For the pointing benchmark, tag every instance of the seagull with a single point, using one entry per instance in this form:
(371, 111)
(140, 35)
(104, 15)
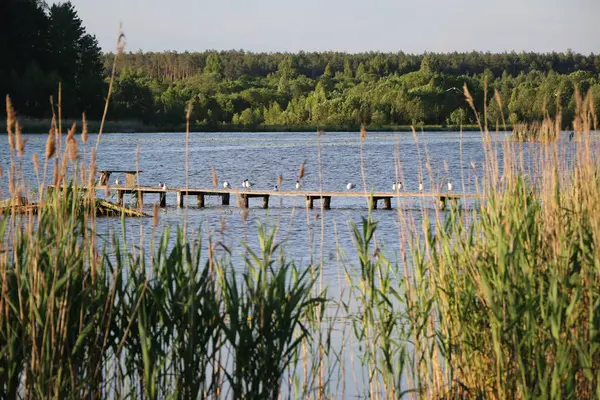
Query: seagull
(421, 187)
(397, 186)
(248, 185)
(244, 183)
(164, 186)
(117, 182)
(276, 188)
(450, 186)
(350, 186)
(298, 186)
(160, 185)
(226, 185)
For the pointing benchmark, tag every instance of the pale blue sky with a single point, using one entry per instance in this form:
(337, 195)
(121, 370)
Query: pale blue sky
(412, 26)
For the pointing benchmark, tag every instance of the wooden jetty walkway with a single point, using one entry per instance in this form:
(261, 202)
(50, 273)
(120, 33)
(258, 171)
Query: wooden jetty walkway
(244, 196)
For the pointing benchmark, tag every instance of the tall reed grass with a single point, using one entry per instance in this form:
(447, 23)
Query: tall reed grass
(496, 300)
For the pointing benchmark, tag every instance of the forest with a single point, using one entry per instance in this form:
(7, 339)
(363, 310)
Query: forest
(238, 89)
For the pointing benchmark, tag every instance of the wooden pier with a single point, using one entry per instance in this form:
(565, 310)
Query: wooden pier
(243, 196)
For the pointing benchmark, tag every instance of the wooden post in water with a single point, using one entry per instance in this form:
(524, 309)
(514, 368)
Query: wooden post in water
(225, 199)
(374, 203)
(163, 199)
(119, 197)
(309, 202)
(266, 201)
(200, 200)
(327, 202)
(140, 199)
(442, 203)
(180, 199)
(387, 201)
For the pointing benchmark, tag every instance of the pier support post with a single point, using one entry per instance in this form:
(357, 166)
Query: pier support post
(266, 201)
(179, 199)
(442, 203)
(327, 202)
(225, 199)
(309, 202)
(200, 200)
(374, 203)
(163, 199)
(140, 199)
(388, 203)
(120, 197)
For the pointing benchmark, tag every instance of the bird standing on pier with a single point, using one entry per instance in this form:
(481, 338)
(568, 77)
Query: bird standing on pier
(421, 187)
(117, 182)
(248, 185)
(397, 186)
(450, 186)
(298, 186)
(164, 186)
(226, 185)
(350, 186)
(276, 188)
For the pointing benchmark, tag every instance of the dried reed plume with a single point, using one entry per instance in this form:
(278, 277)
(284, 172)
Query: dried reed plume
(280, 180)
(469, 99)
(92, 169)
(500, 106)
(20, 141)
(214, 177)
(72, 143)
(363, 132)
(84, 129)
(10, 122)
(36, 163)
(50, 144)
(301, 172)
(120, 49)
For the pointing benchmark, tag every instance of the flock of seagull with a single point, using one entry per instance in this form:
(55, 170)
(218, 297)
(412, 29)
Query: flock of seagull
(396, 186)
(246, 184)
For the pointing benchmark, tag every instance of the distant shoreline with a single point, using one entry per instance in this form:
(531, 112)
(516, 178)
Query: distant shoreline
(42, 126)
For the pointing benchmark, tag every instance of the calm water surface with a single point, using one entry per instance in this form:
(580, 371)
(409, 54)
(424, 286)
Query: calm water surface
(261, 158)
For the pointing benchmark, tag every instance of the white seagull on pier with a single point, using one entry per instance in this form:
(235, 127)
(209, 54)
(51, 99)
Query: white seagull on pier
(276, 188)
(117, 182)
(450, 186)
(248, 185)
(350, 186)
(164, 186)
(298, 186)
(421, 187)
(397, 186)
(226, 185)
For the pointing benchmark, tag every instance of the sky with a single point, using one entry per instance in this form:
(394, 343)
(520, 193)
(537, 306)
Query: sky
(412, 26)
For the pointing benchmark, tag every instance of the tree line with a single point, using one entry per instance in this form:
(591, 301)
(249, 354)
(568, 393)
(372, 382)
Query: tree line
(44, 45)
(344, 90)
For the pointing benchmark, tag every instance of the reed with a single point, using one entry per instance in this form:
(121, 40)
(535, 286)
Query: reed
(495, 300)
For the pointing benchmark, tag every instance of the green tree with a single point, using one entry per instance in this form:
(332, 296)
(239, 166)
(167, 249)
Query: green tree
(213, 64)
